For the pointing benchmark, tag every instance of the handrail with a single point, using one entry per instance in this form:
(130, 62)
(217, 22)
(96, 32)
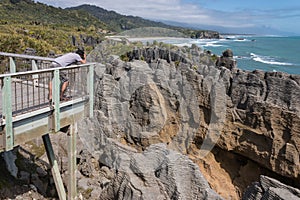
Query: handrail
(14, 55)
(22, 62)
(20, 123)
(20, 94)
(45, 70)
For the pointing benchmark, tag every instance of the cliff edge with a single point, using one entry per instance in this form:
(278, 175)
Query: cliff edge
(199, 104)
(176, 123)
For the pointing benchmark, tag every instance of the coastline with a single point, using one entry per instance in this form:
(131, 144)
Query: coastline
(251, 52)
(135, 39)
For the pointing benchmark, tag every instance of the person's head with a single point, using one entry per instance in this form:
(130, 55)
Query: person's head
(80, 52)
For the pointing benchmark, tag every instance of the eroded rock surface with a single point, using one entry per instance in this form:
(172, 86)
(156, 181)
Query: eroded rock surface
(269, 189)
(163, 112)
(163, 96)
(157, 173)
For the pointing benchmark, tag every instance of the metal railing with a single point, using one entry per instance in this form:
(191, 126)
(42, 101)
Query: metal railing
(27, 113)
(21, 85)
(29, 91)
(12, 63)
(25, 93)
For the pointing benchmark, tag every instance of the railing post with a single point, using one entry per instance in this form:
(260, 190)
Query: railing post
(7, 112)
(12, 65)
(55, 99)
(54, 168)
(72, 190)
(35, 77)
(90, 88)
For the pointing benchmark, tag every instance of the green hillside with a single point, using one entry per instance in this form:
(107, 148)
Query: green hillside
(24, 23)
(29, 24)
(29, 12)
(118, 22)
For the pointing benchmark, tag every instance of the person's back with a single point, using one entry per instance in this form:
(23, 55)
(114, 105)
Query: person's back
(68, 59)
(63, 61)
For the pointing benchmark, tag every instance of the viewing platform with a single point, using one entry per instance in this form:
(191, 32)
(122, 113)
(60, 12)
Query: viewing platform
(26, 112)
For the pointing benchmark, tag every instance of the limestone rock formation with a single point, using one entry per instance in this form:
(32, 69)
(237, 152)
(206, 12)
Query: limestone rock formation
(161, 112)
(265, 120)
(157, 173)
(226, 60)
(269, 189)
(167, 96)
(207, 34)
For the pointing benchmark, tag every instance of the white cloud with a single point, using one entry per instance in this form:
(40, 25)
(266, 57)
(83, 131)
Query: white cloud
(180, 11)
(175, 10)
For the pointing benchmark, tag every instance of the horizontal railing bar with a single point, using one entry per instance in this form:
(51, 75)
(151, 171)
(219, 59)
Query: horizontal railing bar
(45, 70)
(41, 85)
(46, 109)
(26, 56)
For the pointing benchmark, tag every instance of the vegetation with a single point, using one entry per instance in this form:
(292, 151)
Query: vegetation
(120, 48)
(16, 38)
(30, 13)
(118, 22)
(45, 28)
(29, 24)
(152, 32)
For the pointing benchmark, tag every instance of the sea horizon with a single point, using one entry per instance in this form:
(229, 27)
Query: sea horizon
(252, 52)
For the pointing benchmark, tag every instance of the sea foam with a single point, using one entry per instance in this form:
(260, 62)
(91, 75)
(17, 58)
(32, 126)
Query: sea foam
(267, 60)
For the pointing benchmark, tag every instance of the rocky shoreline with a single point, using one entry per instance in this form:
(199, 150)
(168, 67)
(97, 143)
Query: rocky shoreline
(181, 123)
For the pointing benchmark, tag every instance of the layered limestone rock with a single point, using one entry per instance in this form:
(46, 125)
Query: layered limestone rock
(154, 173)
(163, 108)
(168, 96)
(226, 60)
(268, 188)
(264, 120)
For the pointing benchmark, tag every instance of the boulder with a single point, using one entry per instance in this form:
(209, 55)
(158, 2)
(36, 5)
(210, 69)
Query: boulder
(226, 60)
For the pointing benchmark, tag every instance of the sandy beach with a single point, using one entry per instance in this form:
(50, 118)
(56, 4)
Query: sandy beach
(134, 39)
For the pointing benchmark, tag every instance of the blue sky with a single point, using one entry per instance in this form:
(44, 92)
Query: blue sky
(283, 15)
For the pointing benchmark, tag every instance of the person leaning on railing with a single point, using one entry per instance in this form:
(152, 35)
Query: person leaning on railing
(63, 61)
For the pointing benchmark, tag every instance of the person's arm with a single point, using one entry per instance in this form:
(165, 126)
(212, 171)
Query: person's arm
(83, 61)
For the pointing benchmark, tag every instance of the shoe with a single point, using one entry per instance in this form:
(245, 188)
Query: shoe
(65, 98)
(51, 104)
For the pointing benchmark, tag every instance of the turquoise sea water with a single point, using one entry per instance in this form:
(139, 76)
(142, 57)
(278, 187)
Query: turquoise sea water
(264, 53)
(268, 53)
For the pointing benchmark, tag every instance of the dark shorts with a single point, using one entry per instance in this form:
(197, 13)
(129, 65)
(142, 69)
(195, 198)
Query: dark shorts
(62, 74)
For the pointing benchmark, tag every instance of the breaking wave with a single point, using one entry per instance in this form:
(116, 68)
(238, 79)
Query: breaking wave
(268, 60)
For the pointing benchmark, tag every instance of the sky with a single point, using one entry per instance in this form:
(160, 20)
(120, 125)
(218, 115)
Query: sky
(283, 15)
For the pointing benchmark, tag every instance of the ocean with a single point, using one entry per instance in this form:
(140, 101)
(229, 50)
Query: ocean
(267, 53)
(264, 53)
